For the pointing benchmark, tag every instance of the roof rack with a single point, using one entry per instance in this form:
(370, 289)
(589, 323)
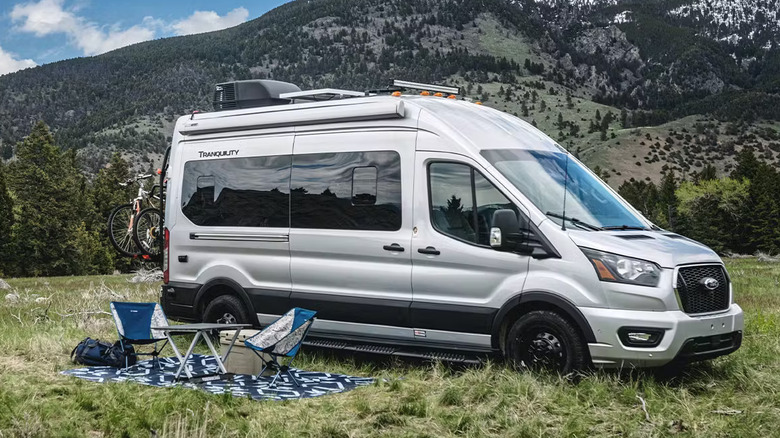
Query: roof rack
(425, 87)
(322, 94)
(335, 93)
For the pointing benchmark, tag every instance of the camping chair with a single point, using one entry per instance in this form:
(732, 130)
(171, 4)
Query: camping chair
(282, 339)
(134, 322)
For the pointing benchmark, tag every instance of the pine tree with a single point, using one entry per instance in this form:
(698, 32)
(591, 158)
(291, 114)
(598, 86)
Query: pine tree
(764, 224)
(747, 169)
(6, 221)
(747, 164)
(51, 206)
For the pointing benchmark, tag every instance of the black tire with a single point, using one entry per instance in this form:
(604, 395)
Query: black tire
(543, 340)
(227, 309)
(154, 196)
(119, 231)
(147, 229)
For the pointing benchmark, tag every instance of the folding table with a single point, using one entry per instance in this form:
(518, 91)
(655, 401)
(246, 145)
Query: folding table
(202, 331)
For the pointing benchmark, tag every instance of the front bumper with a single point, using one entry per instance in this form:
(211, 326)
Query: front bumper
(685, 337)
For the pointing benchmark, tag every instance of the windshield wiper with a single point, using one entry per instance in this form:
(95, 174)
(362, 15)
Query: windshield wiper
(624, 227)
(575, 221)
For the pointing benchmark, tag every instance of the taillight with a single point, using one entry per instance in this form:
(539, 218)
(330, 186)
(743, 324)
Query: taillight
(166, 257)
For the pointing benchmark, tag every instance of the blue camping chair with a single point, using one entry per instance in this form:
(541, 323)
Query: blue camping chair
(282, 339)
(134, 322)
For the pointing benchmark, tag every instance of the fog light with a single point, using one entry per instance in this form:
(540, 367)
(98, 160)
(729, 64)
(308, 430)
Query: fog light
(644, 338)
(640, 336)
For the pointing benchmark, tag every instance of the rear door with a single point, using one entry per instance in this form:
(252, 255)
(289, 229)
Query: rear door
(351, 231)
(234, 217)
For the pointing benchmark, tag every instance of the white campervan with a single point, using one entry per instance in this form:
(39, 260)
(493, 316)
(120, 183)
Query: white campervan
(426, 225)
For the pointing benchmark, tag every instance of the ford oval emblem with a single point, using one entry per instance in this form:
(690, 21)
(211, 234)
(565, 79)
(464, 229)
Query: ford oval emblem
(710, 283)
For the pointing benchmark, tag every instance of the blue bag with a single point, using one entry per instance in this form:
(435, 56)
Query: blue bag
(94, 352)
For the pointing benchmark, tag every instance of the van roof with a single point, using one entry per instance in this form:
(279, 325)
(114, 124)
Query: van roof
(480, 126)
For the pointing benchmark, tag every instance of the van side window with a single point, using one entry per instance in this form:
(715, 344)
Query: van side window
(454, 191)
(347, 191)
(238, 192)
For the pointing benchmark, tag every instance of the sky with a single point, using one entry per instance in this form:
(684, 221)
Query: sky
(38, 32)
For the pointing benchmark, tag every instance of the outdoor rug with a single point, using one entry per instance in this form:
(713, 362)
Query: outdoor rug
(312, 383)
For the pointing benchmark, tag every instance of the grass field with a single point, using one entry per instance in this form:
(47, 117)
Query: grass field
(738, 395)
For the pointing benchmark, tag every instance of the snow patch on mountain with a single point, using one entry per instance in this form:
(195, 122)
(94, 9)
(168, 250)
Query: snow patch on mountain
(622, 18)
(732, 20)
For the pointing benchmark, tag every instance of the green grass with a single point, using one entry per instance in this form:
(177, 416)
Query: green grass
(418, 399)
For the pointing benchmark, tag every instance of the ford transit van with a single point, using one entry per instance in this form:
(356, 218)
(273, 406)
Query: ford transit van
(426, 225)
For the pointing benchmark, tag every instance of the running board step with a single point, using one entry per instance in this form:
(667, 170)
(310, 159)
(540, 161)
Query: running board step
(444, 356)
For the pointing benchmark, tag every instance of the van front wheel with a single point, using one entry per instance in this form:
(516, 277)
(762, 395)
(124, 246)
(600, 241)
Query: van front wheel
(226, 309)
(543, 340)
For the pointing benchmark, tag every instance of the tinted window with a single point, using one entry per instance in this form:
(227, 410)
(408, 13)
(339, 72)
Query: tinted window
(347, 191)
(452, 203)
(489, 199)
(455, 189)
(239, 192)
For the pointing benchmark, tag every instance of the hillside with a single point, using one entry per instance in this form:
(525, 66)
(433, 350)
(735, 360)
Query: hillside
(634, 87)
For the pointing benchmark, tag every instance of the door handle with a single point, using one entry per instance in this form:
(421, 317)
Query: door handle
(429, 251)
(394, 247)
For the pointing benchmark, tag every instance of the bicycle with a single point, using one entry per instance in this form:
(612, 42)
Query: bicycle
(134, 230)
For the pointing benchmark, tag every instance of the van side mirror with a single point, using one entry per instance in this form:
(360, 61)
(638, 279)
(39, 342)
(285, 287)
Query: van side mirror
(505, 233)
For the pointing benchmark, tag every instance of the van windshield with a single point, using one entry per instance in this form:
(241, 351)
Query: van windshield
(540, 176)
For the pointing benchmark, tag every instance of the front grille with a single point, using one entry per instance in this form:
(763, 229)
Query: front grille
(695, 296)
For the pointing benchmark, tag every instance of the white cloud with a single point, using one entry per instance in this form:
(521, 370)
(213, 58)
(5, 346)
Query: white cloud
(9, 63)
(209, 21)
(44, 18)
(48, 17)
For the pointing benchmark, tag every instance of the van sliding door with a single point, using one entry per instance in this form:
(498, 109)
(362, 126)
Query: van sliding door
(351, 230)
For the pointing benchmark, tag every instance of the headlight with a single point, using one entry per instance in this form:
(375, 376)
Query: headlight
(621, 269)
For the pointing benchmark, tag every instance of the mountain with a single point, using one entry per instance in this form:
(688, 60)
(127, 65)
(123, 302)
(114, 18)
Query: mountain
(636, 88)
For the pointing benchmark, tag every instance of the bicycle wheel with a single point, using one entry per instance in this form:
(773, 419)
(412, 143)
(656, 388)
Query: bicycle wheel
(146, 231)
(120, 230)
(154, 196)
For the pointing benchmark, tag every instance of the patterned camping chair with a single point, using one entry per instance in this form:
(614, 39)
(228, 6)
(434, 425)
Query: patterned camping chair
(282, 339)
(134, 322)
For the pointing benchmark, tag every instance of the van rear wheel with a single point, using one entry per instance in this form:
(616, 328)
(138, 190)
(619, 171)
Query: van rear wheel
(542, 340)
(226, 309)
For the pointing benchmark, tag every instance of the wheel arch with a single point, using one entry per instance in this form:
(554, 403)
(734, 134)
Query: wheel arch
(221, 286)
(537, 300)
